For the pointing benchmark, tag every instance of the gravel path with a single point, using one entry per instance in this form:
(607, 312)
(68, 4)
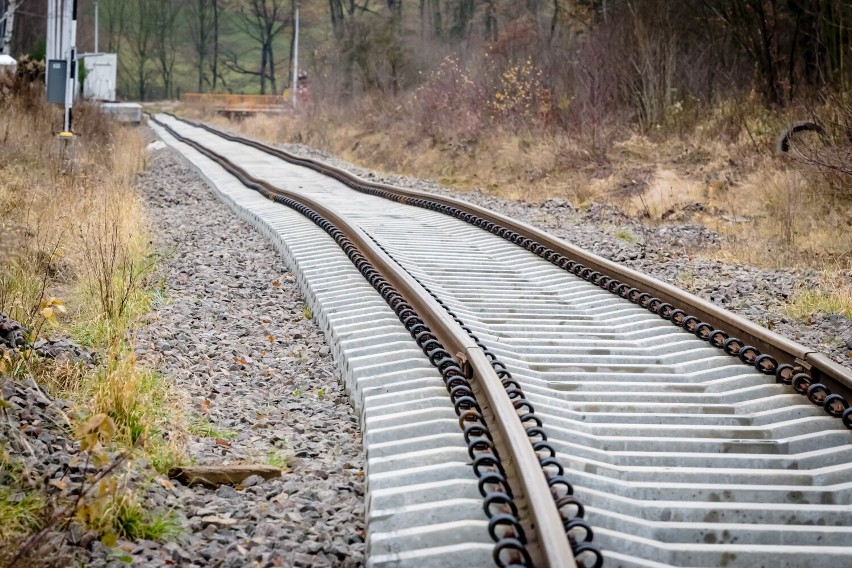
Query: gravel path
(233, 335)
(675, 253)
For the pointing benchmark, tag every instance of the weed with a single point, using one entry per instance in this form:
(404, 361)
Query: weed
(205, 428)
(830, 298)
(307, 312)
(625, 235)
(277, 458)
(21, 512)
(133, 397)
(126, 518)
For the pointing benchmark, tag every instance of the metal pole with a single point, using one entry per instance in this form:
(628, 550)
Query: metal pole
(51, 29)
(97, 11)
(51, 9)
(65, 26)
(57, 32)
(72, 68)
(295, 88)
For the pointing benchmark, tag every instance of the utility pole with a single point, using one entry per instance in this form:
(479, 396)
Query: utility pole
(295, 88)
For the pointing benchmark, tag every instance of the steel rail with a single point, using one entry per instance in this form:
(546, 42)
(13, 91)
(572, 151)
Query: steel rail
(821, 368)
(548, 544)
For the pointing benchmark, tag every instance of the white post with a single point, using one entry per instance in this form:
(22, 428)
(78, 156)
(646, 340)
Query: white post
(67, 9)
(70, 89)
(295, 88)
(59, 39)
(52, 35)
(51, 14)
(97, 11)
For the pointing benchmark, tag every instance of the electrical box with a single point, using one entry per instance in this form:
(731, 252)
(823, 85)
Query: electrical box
(99, 82)
(57, 79)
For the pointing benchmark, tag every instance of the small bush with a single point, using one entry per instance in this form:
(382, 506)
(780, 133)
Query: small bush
(449, 105)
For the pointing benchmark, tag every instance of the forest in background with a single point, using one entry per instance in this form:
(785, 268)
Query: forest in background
(592, 100)
(646, 57)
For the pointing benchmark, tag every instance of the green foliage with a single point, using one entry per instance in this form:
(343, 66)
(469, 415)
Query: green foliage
(277, 459)
(39, 51)
(20, 513)
(134, 522)
(625, 235)
(808, 303)
(205, 428)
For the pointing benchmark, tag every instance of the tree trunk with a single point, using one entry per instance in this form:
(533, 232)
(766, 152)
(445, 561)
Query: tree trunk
(490, 22)
(336, 12)
(214, 64)
(272, 83)
(9, 25)
(263, 70)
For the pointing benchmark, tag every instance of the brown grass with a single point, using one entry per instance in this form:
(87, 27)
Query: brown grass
(779, 212)
(79, 258)
(74, 260)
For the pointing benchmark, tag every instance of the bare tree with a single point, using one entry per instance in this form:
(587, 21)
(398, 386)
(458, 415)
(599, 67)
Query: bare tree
(214, 61)
(201, 17)
(114, 18)
(166, 17)
(141, 32)
(7, 24)
(263, 21)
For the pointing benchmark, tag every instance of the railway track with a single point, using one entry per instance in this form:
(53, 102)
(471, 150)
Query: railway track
(527, 403)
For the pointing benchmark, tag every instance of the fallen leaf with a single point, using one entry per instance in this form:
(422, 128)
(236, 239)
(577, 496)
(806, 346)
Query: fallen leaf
(58, 483)
(276, 283)
(223, 442)
(91, 425)
(165, 482)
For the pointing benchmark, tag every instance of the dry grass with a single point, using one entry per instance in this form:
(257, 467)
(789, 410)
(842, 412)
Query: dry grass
(786, 219)
(832, 296)
(79, 234)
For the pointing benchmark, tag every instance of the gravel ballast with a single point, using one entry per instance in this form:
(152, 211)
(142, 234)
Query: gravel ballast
(234, 337)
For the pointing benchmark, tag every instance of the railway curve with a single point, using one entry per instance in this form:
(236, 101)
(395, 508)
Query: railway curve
(672, 444)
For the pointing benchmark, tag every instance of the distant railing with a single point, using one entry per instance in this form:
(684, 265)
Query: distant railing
(233, 102)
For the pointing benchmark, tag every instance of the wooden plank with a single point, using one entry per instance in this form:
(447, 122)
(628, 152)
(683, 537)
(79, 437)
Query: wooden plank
(213, 475)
